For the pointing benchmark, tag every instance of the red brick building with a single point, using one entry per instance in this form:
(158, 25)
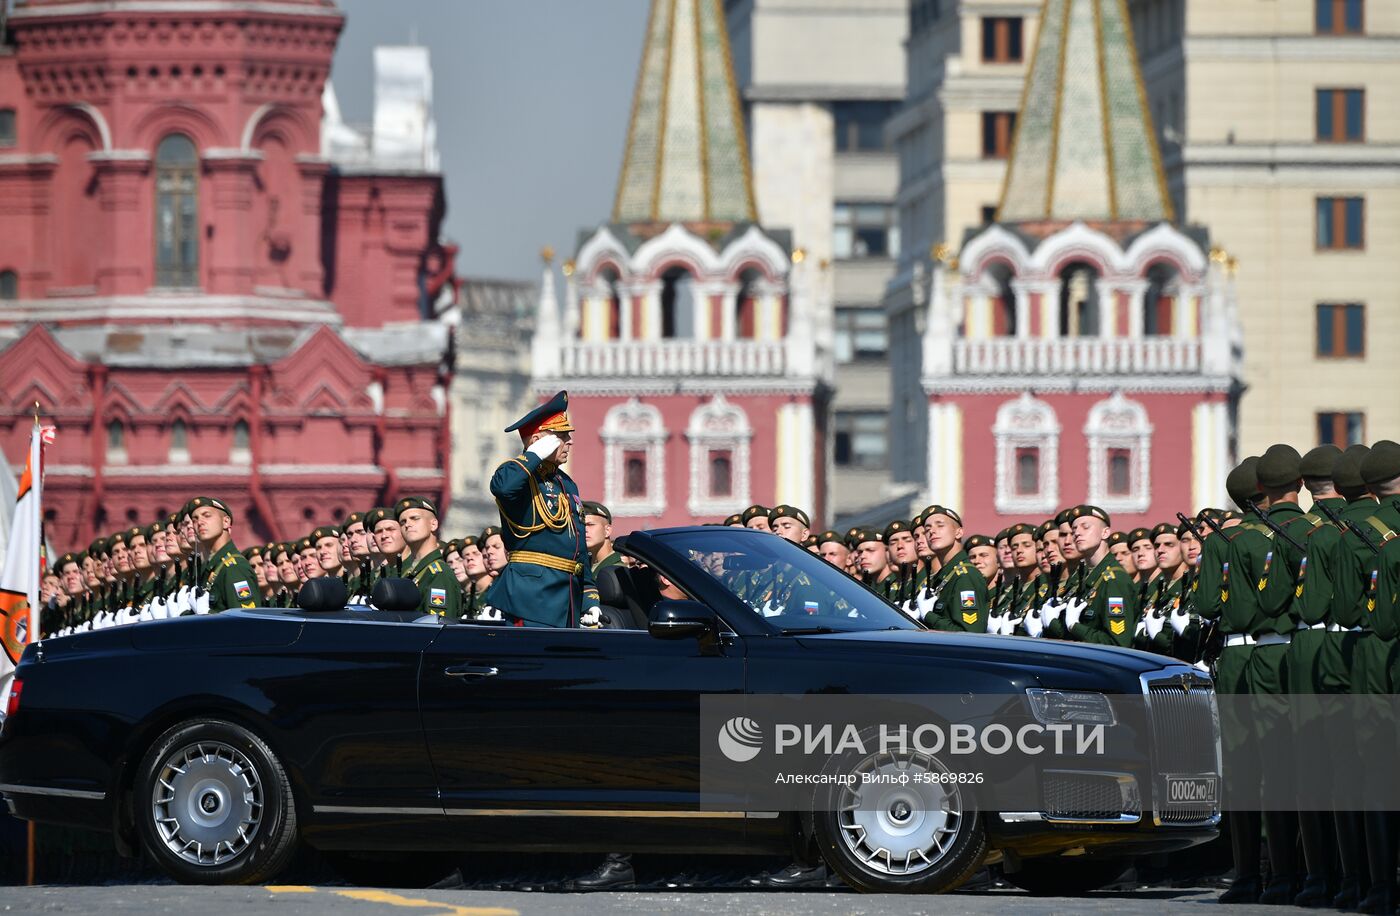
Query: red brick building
(201, 290)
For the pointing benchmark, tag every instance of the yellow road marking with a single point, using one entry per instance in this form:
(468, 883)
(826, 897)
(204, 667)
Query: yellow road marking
(444, 909)
(290, 889)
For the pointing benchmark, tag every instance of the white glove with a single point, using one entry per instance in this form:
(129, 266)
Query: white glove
(1154, 623)
(768, 610)
(1073, 608)
(545, 446)
(1180, 620)
(489, 613)
(1202, 667)
(995, 622)
(590, 618)
(923, 604)
(1050, 611)
(1009, 625)
(201, 603)
(1035, 624)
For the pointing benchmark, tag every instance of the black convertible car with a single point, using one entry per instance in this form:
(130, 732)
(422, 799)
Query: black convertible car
(216, 744)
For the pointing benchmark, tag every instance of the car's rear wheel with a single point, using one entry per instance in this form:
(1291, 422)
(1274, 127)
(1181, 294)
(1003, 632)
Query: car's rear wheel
(214, 806)
(1060, 876)
(901, 824)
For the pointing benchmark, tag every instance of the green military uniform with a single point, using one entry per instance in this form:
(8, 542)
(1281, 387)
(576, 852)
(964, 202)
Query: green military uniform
(440, 592)
(1110, 614)
(230, 580)
(960, 597)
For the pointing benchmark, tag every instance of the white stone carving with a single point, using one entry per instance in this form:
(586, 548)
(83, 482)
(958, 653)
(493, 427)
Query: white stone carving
(1118, 423)
(630, 427)
(1027, 422)
(718, 426)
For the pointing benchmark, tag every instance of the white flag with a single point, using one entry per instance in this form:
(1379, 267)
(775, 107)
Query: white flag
(19, 579)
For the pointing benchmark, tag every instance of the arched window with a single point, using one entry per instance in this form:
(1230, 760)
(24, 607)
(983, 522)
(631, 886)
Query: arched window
(745, 304)
(179, 443)
(1119, 437)
(678, 303)
(9, 135)
(634, 460)
(613, 317)
(9, 285)
(241, 452)
(1027, 436)
(1157, 302)
(116, 442)
(1079, 301)
(177, 212)
(1003, 301)
(719, 433)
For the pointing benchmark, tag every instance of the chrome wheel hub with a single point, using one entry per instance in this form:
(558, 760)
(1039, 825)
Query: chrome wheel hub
(208, 803)
(894, 818)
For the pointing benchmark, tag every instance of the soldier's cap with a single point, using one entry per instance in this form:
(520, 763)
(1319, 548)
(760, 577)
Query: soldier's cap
(254, 551)
(270, 548)
(98, 548)
(1382, 464)
(809, 541)
(869, 535)
(1229, 516)
(1164, 528)
(305, 544)
(172, 520)
(115, 538)
(199, 502)
(830, 537)
(135, 531)
(1139, 534)
(1117, 537)
(379, 514)
(487, 533)
(753, 512)
(1320, 461)
(1020, 528)
(786, 511)
(413, 502)
(452, 546)
(1002, 535)
(1088, 511)
(1279, 466)
(1346, 476)
(943, 510)
(550, 417)
(895, 527)
(1048, 527)
(281, 547)
(325, 531)
(1184, 531)
(978, 540)
(1208, 512)
(1385, 442)
(352, 519)
(590, 507)
(153, 529)
(735, 519)
(1242, 483)
(67, 558)
(1064, 516)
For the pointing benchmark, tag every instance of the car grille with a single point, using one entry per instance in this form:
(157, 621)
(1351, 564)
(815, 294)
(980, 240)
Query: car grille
(1184, 737)
(1086, 796)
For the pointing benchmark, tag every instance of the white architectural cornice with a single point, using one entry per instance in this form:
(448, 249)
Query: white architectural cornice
(1011, 384)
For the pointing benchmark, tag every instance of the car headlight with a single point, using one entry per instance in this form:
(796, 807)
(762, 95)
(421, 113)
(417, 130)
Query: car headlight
(1052, 707)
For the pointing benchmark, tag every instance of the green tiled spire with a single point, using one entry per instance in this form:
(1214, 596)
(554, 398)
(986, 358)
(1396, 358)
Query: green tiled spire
(1085, 147)
(687, 159)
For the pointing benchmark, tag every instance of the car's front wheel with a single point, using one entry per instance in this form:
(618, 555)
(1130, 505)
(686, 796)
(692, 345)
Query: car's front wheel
(214, 806)
(901, 823)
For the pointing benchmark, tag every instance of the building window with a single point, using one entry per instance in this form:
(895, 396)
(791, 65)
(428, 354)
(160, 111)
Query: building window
(989, 214)
(1027, 471)
(177, 212)
(179, 443)
(1339, 17)
(116, 442)
(1340, 222)
(8, 133)
(241, 453)
(863, 440)
(9, 285)
(719, 434)
(861, 230)
(860, 126)
(678, 303)
(861, 334)
(1341, 428)
(1027, 435)
(1001, 39)
(1119, 438)
(634, 460)
(1341, 329)
(1341, 115)
(998, 127)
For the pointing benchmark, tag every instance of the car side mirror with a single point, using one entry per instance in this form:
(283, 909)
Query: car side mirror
(673, 619)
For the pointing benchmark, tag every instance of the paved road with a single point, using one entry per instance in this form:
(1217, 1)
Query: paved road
(296, 900)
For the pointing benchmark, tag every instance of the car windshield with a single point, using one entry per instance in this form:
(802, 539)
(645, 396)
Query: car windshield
(786, 585)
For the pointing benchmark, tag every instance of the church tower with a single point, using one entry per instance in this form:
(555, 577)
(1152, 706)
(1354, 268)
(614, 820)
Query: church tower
(686, 337)
(1083, 346)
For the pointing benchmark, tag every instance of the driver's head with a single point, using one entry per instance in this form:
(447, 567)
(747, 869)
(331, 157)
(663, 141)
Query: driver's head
(668, 589)
(790, 523)
(597, 525)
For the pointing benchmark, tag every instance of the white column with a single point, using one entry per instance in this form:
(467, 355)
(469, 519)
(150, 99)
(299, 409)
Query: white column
(795, 456)
(1107, 295)
(1023, 309)
(945, 472)
(1136, 291)
(728, 318)
(651, 312)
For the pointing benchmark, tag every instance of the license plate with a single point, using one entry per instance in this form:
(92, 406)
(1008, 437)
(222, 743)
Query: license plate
(1191, 790)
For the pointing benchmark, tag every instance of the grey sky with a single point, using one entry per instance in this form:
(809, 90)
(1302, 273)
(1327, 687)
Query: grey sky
(531, 99)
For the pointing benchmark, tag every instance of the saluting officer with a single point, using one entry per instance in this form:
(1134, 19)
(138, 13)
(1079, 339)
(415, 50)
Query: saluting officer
(549, 579)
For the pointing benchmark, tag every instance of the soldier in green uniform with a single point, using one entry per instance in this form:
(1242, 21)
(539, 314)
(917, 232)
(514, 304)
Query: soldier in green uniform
(326, 550)
(956, 598)
(981, 552)
(832, 547)
(254, 556)
(734, 521)
(597, 521)
(418, 518)
(756, 517)
(1103, 607)
(230, 580)
(361, 570)
(479, 578)
(285, 556)
(549, 579)
(1166, 625)
(900, 557)
(872, 561)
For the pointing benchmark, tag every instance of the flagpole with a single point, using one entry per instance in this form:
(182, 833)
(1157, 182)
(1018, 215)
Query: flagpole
(32, 630)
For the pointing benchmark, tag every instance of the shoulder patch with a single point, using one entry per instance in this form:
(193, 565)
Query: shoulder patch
(435, 567)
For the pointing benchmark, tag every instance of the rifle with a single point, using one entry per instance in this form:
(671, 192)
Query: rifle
(1211, 523)
(1274, 526)
(1191, 527)
(1348, 526)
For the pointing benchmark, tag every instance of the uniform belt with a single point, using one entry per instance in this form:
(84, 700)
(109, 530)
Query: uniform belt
(1338, 628)
(1238, 639)
(535, 558)
(1274, 639)
(1313, 626)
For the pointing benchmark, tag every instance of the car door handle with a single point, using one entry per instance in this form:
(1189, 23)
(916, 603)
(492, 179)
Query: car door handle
(471, 671)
